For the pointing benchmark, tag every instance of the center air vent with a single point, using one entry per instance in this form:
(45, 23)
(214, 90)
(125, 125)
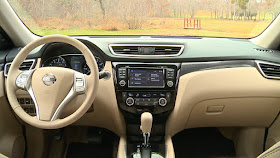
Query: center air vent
(26, 65)
(146, 50)
(269, 70)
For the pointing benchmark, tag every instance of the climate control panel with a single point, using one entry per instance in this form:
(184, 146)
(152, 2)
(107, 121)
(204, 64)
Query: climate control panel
(146, 99)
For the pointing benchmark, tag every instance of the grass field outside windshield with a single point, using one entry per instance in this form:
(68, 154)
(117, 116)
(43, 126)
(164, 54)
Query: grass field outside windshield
(214, 18)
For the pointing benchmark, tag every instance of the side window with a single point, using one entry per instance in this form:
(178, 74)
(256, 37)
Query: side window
(5, 41)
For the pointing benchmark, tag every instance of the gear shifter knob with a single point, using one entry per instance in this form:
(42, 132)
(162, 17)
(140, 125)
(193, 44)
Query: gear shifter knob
(146, 122)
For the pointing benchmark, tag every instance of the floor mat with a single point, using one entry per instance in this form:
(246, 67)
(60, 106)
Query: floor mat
(82, 150)
(101, 145)
(202, 143)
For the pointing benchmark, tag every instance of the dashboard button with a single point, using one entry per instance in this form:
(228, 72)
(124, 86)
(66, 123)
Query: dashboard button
(124, 96)
(129, 101)
(162, 101)
(122, 83)
(168, 96)
(170, 83)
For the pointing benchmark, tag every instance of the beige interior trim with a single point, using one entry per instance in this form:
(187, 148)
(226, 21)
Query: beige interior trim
(273, 135)
(270, 38)
(122, 147)
(13, 26)
(220, 84)
(169, 145)
(12, 142)
(272, 152)
(3, 156)
(248, 142)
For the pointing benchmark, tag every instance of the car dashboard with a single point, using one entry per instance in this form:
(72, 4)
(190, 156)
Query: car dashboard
(183, 82)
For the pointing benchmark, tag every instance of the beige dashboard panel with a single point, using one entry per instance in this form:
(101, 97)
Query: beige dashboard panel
(105, 113)
(224, 87)
(252, 112)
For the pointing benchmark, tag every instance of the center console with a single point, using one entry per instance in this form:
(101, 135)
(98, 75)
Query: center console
(146, 87)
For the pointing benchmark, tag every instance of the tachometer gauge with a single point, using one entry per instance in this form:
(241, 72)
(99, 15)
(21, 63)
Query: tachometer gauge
(86, 69)
(100, 64)
(58, 62)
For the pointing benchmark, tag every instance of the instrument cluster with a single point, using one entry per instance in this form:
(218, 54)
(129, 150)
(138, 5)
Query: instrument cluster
(74, 61)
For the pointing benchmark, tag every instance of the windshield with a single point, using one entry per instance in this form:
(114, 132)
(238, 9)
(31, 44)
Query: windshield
(214, 18)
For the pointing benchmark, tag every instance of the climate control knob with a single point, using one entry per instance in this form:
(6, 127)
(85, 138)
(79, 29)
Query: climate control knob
(162, 101)
(170, 83)
(129, 101)
(122, 83)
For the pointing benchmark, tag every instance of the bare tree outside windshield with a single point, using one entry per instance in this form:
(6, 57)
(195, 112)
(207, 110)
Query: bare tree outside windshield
(215, 18)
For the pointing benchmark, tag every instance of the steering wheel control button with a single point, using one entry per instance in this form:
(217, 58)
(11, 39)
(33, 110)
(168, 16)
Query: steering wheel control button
(129, 101)
(22, 79)
(122, 83)
(170, 84)
(162, 101)
(79, 84)
(49, 79)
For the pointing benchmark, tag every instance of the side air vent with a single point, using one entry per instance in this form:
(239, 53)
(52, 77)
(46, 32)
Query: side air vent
(269, 70)
(264, 50)
(26, 65)
(146, 50)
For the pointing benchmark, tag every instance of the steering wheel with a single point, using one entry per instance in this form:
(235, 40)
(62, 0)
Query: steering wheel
(52, 88)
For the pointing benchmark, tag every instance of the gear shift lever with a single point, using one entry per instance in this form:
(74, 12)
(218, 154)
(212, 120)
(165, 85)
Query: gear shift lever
(146, 126)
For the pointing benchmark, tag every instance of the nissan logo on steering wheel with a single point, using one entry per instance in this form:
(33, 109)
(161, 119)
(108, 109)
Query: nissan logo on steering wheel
(49, 79)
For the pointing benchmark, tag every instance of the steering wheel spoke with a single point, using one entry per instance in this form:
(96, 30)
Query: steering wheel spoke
(23, 80)
(78, 88)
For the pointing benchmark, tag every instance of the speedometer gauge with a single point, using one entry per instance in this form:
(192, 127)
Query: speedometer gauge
(58, 62)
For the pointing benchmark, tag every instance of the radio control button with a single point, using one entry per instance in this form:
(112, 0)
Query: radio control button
(154, 99)
(162, 94)
(122, 83)
(168, 96)
(124, 96)
(162, 101)
(137, 103)
(170, 83)
(129, 101)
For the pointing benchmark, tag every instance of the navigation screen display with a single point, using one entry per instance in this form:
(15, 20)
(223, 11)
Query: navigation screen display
(146, 78)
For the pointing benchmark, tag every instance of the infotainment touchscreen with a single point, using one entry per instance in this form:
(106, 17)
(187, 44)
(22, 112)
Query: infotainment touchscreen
(145, 78)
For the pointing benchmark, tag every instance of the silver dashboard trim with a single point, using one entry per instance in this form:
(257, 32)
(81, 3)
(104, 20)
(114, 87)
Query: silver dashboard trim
(27, 60)
(147, 45)
(258, 62)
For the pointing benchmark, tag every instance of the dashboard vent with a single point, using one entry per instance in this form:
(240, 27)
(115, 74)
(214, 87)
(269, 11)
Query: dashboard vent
(167, 50)
(26, 65)
(264, 50)
(125, 49)
(269, 70)
(146, 50)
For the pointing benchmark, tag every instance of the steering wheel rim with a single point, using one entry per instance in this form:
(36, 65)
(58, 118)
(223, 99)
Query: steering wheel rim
(90, 89)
